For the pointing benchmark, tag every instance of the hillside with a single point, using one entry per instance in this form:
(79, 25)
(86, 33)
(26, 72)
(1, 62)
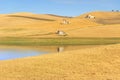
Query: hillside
(104, 17)
(46, 25)
(30, 25)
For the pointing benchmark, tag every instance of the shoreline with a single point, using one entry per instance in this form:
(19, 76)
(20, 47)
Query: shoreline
(58, 41)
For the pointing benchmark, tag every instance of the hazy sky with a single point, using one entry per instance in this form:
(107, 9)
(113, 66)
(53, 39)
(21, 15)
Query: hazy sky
(59, 7)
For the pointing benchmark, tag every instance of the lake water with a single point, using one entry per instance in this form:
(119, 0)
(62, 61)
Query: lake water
(14, 52)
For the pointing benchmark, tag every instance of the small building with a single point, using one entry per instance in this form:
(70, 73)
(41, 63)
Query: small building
(61, 33)
(90, 17)
(65, 22)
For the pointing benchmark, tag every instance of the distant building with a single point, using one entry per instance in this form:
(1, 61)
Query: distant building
(65, 22)
(61, 33)
(90, 16)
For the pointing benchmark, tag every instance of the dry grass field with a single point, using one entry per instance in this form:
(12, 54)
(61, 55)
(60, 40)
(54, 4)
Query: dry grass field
(104, 17)
(99, 63)
(45, 25)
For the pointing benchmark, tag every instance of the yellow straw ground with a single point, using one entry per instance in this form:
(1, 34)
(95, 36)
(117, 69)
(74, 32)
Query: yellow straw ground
(100, 63)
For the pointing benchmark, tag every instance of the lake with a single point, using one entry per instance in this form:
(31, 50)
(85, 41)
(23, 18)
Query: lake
(14, 52)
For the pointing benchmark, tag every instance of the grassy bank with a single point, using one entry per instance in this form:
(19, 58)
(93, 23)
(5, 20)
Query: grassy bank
(58, 41)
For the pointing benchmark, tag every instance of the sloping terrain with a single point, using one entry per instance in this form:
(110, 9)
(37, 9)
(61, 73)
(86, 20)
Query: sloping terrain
(104, 17)
(46, 25)
(36, 25)
(106, 31)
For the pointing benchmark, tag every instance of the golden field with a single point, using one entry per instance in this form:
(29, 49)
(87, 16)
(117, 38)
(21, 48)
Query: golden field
(45, 25)
(98, 63)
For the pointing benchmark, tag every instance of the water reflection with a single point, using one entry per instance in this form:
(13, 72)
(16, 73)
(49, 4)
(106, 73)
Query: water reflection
(60, 49)
(13, 52)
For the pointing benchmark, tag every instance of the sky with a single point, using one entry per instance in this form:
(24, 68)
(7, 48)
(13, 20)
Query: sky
(58, 7)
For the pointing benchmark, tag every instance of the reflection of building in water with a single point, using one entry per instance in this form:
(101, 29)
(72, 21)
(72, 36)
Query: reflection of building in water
(60, 49)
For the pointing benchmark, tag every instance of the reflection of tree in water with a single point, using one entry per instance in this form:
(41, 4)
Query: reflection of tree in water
(60, 49)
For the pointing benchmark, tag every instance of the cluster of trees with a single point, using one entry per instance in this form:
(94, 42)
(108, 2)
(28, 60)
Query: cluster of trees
(115, 10)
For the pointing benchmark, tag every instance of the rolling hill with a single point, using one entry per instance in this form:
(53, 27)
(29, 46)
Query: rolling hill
(104, 17)
(45, 25)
